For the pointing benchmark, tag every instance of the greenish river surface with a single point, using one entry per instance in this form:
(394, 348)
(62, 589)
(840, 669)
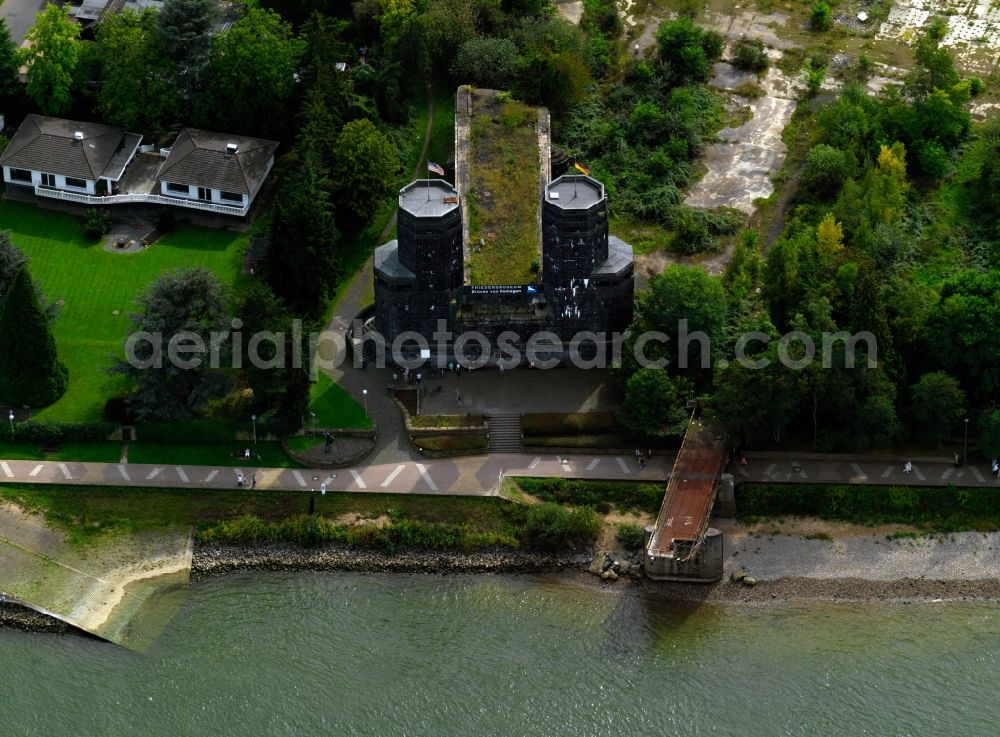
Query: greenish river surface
(341, 654)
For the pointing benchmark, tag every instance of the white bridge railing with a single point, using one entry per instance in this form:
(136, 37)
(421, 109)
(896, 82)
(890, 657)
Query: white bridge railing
(156, 199)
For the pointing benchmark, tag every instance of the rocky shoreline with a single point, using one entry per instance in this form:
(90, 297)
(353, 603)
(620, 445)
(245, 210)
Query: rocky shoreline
(594, 568)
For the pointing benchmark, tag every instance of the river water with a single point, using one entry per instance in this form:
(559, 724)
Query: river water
(343, 654)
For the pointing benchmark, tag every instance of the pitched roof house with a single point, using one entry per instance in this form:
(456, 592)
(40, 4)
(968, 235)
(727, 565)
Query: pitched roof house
(89, 163)
(216, 167)
(68, 155)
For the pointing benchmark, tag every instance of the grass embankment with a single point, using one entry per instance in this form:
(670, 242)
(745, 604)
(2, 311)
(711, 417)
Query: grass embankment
(933, 508)
(380, 521)
(96, 290)
(504, 166)
(334, 407)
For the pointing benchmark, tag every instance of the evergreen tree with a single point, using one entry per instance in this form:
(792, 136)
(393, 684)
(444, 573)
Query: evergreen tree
(366, 167)
(186, 29)
(30, 370)
(181, 302)
(10, 83)
(302, 259)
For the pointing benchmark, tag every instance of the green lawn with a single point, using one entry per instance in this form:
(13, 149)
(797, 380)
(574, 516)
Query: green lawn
(334, 407)
(109, 452)
(92, 285)
(272, 455)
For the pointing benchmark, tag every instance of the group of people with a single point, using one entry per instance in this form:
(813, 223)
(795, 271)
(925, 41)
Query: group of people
(641, 459)
(241, 480)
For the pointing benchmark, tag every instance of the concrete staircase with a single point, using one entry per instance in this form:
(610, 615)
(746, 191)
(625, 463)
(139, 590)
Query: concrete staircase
(505, 433)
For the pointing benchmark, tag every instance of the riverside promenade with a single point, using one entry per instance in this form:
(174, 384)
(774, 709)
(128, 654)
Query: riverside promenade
(480, 475)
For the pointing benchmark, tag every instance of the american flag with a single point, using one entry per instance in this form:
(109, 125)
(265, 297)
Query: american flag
(436, 168)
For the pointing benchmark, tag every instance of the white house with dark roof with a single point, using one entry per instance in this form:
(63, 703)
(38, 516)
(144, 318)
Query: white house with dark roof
(68, 155)
(97, 164)
(215, 167)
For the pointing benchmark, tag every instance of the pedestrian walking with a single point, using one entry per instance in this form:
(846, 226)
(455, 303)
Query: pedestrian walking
(240, 481)
(956, 462)
(253, 481)
(907, 467)
(995, 467)
(322, 488)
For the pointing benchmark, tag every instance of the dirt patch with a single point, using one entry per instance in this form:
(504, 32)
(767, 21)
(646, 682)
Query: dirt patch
(353, 519)
(807, 527)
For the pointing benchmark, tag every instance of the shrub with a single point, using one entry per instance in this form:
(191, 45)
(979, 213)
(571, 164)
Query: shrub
(96, 223)
(749, 54)
(976, 88)
(631, 536)
(552, 527)
(825, 171)
(821, 18)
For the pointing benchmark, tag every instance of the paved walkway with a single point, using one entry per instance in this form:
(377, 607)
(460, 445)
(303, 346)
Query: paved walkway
(20, 16)
(873, 470)
(471, 476)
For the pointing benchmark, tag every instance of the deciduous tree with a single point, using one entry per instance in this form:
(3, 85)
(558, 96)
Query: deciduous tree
(653, 404)
(366, 167)
(52, 56)
(251, 75)
(937, 406)
(139, 90)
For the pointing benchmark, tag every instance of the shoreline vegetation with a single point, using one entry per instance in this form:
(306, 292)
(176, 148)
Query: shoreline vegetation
(851, 545)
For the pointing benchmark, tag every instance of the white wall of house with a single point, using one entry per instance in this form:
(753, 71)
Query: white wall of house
(60, 182)
(191, 193)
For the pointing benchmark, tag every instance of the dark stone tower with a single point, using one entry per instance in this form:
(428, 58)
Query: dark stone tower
(416, 274)
(587, 275)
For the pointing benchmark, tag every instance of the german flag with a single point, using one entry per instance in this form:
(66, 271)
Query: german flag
(580, 168)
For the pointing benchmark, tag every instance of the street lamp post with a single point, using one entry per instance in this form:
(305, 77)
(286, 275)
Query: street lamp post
(10, 417)
(364, 393)
(253, 419)
(965, 445)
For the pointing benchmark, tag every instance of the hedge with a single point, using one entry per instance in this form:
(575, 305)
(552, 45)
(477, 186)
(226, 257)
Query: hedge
(47, 432)
(569, 423)
(626, 495)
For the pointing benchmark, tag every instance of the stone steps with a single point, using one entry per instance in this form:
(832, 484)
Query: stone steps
(505, 433)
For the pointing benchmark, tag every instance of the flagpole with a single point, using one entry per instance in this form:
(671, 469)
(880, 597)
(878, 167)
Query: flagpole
(428, 182)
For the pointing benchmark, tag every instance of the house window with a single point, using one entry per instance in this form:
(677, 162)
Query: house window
(231, 196)
(48, 180)
(78, 183)
(20, 175)
(171, 187)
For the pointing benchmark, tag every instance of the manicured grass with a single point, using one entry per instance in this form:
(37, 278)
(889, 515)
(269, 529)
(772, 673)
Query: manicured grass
(438, 421)
(272, 455)
(302, 443)
(92, 284)
(109, 452)
(334, 407)
(442, 143)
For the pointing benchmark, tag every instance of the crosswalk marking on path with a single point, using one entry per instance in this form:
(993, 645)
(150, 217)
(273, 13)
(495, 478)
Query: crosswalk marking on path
(36, 470)
(182, 474)
(123, 472)
(623, 465)
(534, 462)
(358, 480)
(6, 470)
(427, 477)
(593, 464)
(770, 469)
(979, 476)
(947, 474)
(887, 472)
(918, 474)
(743, 471)
(65, 471)
(392, 476)
(859, 472)
(211, 475)
(298, 477)
(154, 473)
